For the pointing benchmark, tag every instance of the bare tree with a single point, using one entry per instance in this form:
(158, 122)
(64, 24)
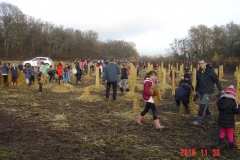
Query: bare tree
(10, 17)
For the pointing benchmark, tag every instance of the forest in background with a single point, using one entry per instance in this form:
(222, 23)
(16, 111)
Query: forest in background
(23, 37)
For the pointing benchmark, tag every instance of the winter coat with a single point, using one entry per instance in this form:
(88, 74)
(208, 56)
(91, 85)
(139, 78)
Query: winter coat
(146, 86)
(111, 72)
(60, 70)
(67, 69)
(205, 81)
(14, 71)
(51, 72)
(227, 107)
(43, 68)
(32, 71)
(189, 82)
(183, 93)
(27, 72)
(4, 70)
(124, 74)
(79, 70)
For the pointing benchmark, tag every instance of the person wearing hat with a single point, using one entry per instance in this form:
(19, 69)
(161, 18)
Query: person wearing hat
(186, 79)
(206, 78)
(182, 94)
(227, 107)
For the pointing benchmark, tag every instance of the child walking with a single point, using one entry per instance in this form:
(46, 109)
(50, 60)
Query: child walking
(227, 107)
(124, 78)
(150, 80)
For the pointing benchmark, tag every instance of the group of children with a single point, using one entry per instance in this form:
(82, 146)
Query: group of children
(227, 105)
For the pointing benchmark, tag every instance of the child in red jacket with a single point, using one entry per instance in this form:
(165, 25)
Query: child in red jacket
(60, 71)
(150, 80)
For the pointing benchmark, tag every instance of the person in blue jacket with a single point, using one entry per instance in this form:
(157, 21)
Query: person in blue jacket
(14, 74)
(182, 93)
(51, 74)
(111, 73)
(27, 71)
(5, 74)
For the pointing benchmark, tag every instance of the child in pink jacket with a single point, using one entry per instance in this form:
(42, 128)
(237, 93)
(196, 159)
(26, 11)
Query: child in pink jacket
(150, 80)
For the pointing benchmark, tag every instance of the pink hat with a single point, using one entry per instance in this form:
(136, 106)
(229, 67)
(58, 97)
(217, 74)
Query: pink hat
(231, 90)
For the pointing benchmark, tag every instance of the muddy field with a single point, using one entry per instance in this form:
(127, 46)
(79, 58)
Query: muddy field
(58, 125)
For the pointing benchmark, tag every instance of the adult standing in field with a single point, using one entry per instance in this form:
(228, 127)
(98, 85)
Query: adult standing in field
(111, 76)
(206, 77)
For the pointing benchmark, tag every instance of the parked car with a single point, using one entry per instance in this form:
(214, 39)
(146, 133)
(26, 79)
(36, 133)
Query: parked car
(33, 62)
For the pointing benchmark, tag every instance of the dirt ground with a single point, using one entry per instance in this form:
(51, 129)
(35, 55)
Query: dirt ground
(57, 125)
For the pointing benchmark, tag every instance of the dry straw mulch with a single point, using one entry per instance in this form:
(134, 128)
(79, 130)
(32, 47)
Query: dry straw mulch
(87, 97)
(129, 96)
(59, 122)
(160, 89)
(63, 88)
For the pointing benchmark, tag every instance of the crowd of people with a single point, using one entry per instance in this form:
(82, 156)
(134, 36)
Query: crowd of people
(110, 73)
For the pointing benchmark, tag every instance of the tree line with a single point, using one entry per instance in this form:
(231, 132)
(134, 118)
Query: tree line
(214, 44)
(23, 36)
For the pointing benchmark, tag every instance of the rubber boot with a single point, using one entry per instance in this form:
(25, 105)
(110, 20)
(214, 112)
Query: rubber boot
(177, 108)
(220, 143)
(121, 89)
(157, 124)
(230, 146)
(139, 118)
(187, 110)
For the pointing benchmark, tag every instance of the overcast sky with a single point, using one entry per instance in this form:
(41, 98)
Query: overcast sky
(151, 24)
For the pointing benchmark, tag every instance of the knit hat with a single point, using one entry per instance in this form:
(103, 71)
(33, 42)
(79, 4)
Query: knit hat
(231, 90)
(186, 75)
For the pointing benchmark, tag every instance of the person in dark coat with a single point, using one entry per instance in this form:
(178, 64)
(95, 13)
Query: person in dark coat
(32, 80)
(123, 78)
(14, 74)
(20, 67)
(227, 107)
(111, 76)
(51, 74)
(27, 71)
(182, 93)
(5, 74)
(79, 71)
(206, 78)
(186, 79)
